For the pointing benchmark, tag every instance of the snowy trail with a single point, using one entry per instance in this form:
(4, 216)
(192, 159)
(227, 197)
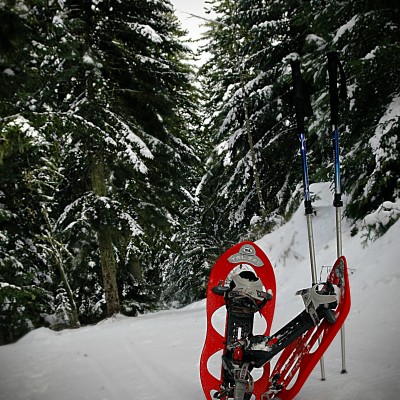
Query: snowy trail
(156, 356)
(149, 357)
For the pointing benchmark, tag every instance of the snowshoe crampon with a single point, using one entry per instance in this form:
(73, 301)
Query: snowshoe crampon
(243, 282)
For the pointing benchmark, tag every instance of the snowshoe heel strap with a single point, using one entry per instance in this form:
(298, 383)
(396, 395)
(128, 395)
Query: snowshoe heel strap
(312, 297)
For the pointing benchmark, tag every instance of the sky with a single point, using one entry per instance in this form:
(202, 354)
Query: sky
(192, 24)
(189, 22)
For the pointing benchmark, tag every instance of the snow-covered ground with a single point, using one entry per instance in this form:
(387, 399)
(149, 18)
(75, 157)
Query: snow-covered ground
(156, 356)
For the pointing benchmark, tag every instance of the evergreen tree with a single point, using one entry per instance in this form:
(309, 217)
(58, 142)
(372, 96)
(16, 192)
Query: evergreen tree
(248, 82)
(365, 35)
(26, 185)
(372, 57)
(111, 99)
(245, 177)
(262, 37)
(189, 260)
(137, 165)
(249, 174)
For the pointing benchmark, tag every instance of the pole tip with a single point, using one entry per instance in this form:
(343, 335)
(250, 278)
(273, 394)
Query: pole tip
(344, 371)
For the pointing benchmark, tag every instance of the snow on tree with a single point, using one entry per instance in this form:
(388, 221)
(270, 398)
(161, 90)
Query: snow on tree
(110, 94)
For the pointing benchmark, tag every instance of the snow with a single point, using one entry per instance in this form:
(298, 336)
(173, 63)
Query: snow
(147, 31)
(291, 57)
(129, 138)
(382, 143)
(135, 228)
(57, 21)
(156, 356)
(385, 213)
(345, 28)
(87, 59)
(24, 126)
(371, 54)
(386, 123)
(319, 41)
(9, 72)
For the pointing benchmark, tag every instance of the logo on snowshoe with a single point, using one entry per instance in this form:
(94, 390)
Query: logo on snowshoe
(247, 254)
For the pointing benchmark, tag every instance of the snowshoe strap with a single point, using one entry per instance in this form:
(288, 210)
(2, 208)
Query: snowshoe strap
(244, 382)
(312, 300)
(247, 309)
(260, 295)
(220, 290)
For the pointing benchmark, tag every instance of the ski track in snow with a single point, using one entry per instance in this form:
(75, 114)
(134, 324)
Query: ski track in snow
(156, 356)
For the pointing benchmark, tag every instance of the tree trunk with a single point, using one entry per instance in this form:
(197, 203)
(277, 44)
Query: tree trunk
(104, 237)
(109, 271)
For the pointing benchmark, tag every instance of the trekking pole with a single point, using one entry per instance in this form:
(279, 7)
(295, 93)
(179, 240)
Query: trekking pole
(333, 65)
(303, 108)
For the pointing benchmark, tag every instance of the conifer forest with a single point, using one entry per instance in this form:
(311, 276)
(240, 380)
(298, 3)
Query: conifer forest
(126, 168)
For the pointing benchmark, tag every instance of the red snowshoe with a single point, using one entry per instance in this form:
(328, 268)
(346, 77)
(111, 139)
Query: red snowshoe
(299, 358)
(243, 282)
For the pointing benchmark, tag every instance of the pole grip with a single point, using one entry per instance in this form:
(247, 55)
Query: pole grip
(333, 90)
(306, 183)
(302, 104)
(333, 65)
(298, 95)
